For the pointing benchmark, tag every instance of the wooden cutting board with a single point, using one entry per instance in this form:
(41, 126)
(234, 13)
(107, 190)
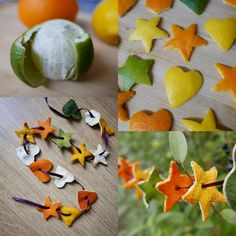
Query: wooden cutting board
(100, 80)
(203, 59)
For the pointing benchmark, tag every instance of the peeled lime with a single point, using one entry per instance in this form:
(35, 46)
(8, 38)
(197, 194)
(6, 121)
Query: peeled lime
(56, 49)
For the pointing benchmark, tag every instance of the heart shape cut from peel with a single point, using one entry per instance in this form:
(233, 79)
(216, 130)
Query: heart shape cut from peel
(181, 86)
(38, 167)
(222, 31)
(29, 158)
(158, 121)
(86, 199)
(70, 214)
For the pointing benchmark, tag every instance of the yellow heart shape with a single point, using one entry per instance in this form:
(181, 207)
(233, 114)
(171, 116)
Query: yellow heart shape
(181, 85)
(74, 214)
(222, 31)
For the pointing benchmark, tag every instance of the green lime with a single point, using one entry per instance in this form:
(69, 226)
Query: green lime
(56, 49)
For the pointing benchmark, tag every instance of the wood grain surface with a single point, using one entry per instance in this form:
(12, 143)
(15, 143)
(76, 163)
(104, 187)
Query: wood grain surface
(101, 79)
(203, 59)
(17, 180)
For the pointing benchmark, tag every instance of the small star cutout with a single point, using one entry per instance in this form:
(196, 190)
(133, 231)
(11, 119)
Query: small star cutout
(159, 5)
(138, 176)
(135, 70)
(207, 124)
(100, 156)
(228, 84)
(46, 128)
(25, 132)
(80, 154)
(148, 187)
(125, 169)
(185, 40)
(147, 31)
(63, 140)
(52, 211)
(205, 196)
(123, 98)
(174, 187)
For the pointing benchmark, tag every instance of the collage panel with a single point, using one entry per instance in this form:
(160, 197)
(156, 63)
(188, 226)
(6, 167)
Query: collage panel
(177, 65)
(175, 183)
(57, 171)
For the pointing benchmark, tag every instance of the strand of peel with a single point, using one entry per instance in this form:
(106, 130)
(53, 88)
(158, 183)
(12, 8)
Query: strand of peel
(28, 151)
(199, 186)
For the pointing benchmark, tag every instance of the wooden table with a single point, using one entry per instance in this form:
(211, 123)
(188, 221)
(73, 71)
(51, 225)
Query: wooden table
(101, 79)
(17, 180)
(203, 59)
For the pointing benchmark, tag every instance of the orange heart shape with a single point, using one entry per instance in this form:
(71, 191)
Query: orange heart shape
(158, 121)
(38, 167)
(86, 199)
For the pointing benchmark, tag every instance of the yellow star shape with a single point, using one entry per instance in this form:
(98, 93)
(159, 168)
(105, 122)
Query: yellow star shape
(80, 154)
(25, 132)
(207, 124)
(207, 195)
(139, 175)
(147, 31)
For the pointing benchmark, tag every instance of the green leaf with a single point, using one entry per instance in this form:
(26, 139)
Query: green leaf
(178, 145)
(203, 225)
(229, 186)
(229, 215)
(70, 108)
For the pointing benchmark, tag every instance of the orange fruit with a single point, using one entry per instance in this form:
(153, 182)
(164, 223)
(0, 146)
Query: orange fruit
(34, 12)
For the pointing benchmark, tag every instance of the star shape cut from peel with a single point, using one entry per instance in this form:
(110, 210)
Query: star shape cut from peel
(146, 31)
(228, 83)
(174, 187)
(63, 140)
(123, 98)
(159, 5)
(205, 196)
(138, 176)
(52, 211)
(185, 40)
(45, 128)
(135, 71)
(26, 133)
(100, 155)
(207, 124)
(148, 187)
(80, 154)
(125, 169)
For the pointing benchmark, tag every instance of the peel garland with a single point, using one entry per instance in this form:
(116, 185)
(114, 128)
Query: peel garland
(56, 49)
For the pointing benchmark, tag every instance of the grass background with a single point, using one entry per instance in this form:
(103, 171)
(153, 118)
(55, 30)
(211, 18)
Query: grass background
(152, 149)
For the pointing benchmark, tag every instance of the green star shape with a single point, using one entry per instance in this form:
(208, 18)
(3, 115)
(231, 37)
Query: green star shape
(135, 70)
(148, 187)
(65, 142)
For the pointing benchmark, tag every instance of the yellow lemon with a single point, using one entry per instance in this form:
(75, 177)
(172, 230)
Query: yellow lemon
(105, 21)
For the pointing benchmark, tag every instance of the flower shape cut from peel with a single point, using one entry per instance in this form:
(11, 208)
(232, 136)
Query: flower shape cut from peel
(67, 177)
(92, 121)
(100, 155)
(205, 196)
(174, 187)
(26, 133)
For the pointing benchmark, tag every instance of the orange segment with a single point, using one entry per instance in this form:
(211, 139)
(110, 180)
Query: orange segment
(159, 5)
(52, 211)
(123, 98)
(125, 5)
(158, 121)
(86, 199)
(41, 165)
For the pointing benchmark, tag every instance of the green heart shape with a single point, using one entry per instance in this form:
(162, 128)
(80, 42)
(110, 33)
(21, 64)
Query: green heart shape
(197, 6)
(70, 109)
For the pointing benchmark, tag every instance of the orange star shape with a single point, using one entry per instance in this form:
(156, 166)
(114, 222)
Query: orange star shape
(123, 98)
(174, 187)
(138, 175)
(185, 40)
(25, 132)
(125, 169)
(52, 210)
(228, 84)
(80, 154)
(45, 128)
